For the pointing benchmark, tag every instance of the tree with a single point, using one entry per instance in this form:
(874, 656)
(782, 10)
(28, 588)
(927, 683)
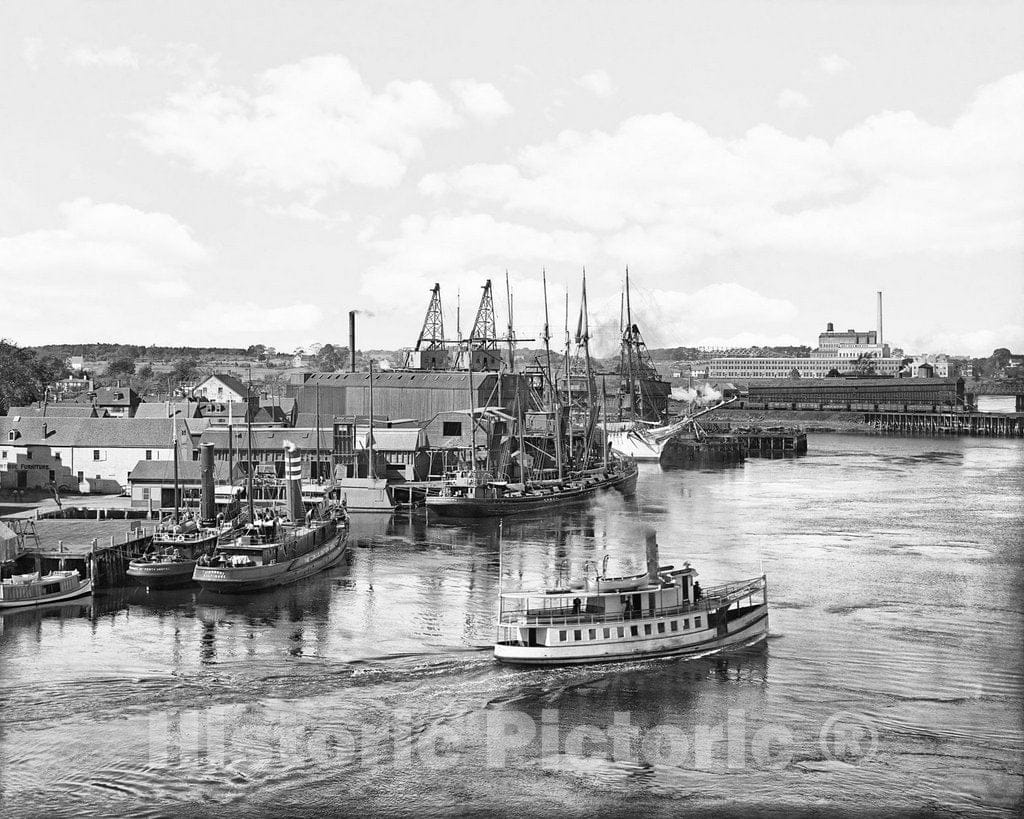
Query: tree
(184, 370)
(145, 372)
(25, 376)
(124, 365)
(331, 358)
(794, 373)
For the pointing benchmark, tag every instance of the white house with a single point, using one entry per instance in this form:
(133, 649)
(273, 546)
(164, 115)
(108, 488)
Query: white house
(222, 388)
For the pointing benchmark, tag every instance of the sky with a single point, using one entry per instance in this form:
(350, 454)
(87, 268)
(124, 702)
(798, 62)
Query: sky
(187, 173)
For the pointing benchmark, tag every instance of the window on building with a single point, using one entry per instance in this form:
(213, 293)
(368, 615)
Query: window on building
(675, 625)
(95, 454)
(52, 477)
(696, 622)
(634, 631)
(146, 493)
(592, 634)
(621, 631)
(28, 454)
(451, 427)
(607, 633)
(661, 628)
(647, 628)
(149, 454)
(686, 623)
(3, 454)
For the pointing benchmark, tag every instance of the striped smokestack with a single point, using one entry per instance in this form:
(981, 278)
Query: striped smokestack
(293, 482)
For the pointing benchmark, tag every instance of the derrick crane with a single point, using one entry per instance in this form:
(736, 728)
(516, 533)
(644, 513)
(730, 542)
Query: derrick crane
(430, 352)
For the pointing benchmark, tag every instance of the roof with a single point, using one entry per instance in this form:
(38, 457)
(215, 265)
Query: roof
(229, 381)
(285, 404)
(59, 410)
(107, 433)
(268, 439)
(188, 471)
(236, 410)
(164, 409)
(115, 397)
(399, 440)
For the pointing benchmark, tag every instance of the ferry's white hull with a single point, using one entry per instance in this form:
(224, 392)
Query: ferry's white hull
(748, 629)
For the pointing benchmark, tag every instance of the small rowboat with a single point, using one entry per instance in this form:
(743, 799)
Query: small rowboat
(24, 590)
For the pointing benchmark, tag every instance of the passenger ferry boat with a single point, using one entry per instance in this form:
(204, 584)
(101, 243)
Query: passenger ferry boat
(276, 549)
(470, 493)
(660, 613)
(23, 590)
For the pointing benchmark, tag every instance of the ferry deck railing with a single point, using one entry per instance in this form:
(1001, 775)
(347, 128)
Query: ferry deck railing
(711, 598)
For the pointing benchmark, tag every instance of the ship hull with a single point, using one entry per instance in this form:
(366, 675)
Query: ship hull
(245, 579)
(460, 507)
(748, 630)
(162, 575)
(84, 590)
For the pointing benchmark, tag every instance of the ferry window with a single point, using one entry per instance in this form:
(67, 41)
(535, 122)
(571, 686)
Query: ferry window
(661, 628)
(675, 625)
(696, 622)
(607, 633)
(634, 631)
(561, 636)
(577, 635)
(686, 623)
(622, 631)
(451, 427)
(593, 634)
(647, 628)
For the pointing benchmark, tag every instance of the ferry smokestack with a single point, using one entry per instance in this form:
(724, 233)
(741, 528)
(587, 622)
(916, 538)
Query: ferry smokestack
(352, 339)
(879, 316)
(293, 482)
(652, 555)
(207, 508)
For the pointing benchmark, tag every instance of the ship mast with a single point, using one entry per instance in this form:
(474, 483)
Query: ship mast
(627, 341)
(556, 403)
(370, 471)
(174, 442)
(584, 338)
(568, 375)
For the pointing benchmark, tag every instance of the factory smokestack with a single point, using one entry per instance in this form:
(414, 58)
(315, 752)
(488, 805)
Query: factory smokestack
(879, 317)
(352, 339)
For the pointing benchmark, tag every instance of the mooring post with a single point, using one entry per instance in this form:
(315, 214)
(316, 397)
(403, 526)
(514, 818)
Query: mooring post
(60, 545)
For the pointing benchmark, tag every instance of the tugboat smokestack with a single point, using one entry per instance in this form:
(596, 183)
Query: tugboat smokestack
(207, 508)
(293, 482)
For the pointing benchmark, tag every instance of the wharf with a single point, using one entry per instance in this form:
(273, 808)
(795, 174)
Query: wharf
(761, 442)
(97, 548)
(999, 425)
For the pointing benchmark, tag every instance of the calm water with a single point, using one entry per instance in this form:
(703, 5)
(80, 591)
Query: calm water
(892, 678)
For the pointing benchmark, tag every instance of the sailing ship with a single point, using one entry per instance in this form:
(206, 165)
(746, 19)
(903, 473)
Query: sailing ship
(276, 549)
(662, 612)
(581, 472)
(24, 590)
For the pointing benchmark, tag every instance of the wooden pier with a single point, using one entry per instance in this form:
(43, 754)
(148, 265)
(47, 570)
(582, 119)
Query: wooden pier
(100, 549)
(1000, 425)
(760, 442)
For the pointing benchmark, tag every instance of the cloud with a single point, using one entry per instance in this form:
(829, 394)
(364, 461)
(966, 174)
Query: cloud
(978, 343)
(169, 289)
(834, 64)
(117, 57)
(597, 83)
(101, 239)
(790, 100)
(481, 100)
(31, 50)
(312, 125)
(664, 187)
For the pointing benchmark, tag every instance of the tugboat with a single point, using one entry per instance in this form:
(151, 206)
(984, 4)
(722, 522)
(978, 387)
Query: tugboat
(663, 612)
(24, 590)
(277, 549)
(176, 547)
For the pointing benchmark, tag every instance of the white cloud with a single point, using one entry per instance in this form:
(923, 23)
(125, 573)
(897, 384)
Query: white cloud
(117, 57)
(312, 125)
(169, 289)
(481, 100)
(597, 83)
(834, 64)
(664, 187)
(31, 50)
(978, 343)
(790, 100)
(101, 239)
